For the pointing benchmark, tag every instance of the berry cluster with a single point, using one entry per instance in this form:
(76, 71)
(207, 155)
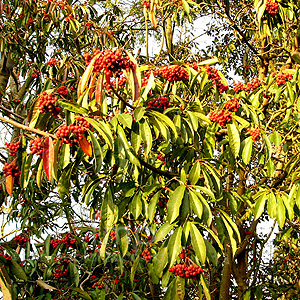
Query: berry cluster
(255, 133)
(272, 7)
(232, 105)
(194, 66)
(238, 87)
(215, 77)
(146, 254)
(35, 74)
(47, 104)
(5, 255)
(161, 158)
(186, 271)
(145, 78)
(162, 202)
(55, 243)
(172, 73)
(252, 85)
(30, 21)
(111, 62)
(98, 285)
(62, 268)
(36, 146)
(63, 91)
(71, 134)
(146, 3)
(160, 102)
(283, 78)
(68, 240)
(10, 169)
(21, 239)
(113, 235)
(13, 147)
(184, 253)
(223, 117)
(52, 62)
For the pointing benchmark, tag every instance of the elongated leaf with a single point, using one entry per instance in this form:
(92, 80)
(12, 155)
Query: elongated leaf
(99, 89)
(6, 293)
(234, 139)
(162, 232)
(180, 287)
(280, 211)
(174, 245)
(196, 204)
(174, 203)
(259, 206)
(122, 240)
(48, 157)
(9, 184)
(83, 83)
(194, 173)
(230, 235)
(26, 164)
(205, 287)
(18, 271)
(272, 205)
(198, 243)
(73, 107)
(161, 260)
(85, 146)
(45, 285)
(247, 150)
(97, 151)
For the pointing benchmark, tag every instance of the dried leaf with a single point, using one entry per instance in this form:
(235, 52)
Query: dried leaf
(85, 146)
(48, 157)
(9, 184)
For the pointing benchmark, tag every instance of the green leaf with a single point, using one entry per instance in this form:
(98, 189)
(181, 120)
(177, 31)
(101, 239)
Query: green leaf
(97, 152)
(139, 113)
(18, 271)
(74, 274)
(272, 205)
(234, 139)
(152, 206)
(174, 245)
(122, 239)
(134, 268)
(73, 107)
(247, 150)
(26, 166)
(198, 243)
(194, 173)
(45, 285)
(161, 260)
(125, 119)
(211, 253)
(260, 206)
(174, 203)
(196, 204)
(205, 287)
(79, 291)
(135, 206)
(104, 244)
(162, 232)
(230, 235)
(146, 134)
(135, 296)
(180, 287)
(280, 211)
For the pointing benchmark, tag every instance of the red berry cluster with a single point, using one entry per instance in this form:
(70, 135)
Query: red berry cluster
(111, 62)
(30, 21)
(145, 78)
(98, 285)
(52, 62)
(35, 74)
(146, 3)
(255, 133)
(47, 104)
(10, 169)
(172, 73)
(161, 158)
(146, 254)
(238, 87)
(55, 243)
(162, 202)
(283, 78)
(215, 77)
(232, 105)
(36, 146)
(223, 117)
(113, 235)
(253, 85)
(272, 7)
(5, 255)
(13, 147)
(63, 91)
(186, 271)
(184, 253)
(21, 239)
(160, 102)
(71, 134)
(62, 268)
(194, 66)
(68, 240)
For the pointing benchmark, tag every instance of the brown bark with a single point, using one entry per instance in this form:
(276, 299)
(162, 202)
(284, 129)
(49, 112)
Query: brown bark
(226, 274)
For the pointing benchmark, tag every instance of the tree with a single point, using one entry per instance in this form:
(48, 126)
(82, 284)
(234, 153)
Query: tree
(139, 177)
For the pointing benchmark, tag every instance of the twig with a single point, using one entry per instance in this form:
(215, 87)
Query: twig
(21, 126)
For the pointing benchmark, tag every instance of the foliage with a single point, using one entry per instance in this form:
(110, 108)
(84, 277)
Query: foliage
(138, 177)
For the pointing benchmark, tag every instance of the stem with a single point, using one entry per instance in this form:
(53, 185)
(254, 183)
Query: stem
(225, 282)
(21, 126)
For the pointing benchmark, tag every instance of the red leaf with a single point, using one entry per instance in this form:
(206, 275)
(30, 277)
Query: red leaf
(9, 184)
(48, 157)
(85, 146)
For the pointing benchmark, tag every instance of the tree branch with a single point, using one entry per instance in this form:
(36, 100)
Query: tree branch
(21, 126)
